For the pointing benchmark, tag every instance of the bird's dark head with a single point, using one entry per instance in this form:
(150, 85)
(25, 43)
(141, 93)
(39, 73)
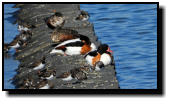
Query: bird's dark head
(58, 14)
(85, 39)
(43, 59)
(104, 48)
(20, 42)
(84, 13)
(6, 46)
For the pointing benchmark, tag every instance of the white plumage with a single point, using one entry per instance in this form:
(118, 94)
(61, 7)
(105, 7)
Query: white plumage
(59, 22)
(22, 28)
(67, 78)
(105, 58)
(85, 18)
(39, 67)
(89, 59)
(15, 46)
(24, 38)
(45, 87)
(93, 47)
(68, 41)
(56, 51)
(50, 77)
(97, 68)
(73, 50)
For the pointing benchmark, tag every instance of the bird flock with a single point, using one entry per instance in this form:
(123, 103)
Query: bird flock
(65, 42)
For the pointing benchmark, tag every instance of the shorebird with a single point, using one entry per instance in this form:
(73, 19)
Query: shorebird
(47, 74)
(6, 47)
(44, 84)
(24, 36)
(77, 73)
(28, 83)
(25, 26)
(56, 20)
(38, 64)
(16, 44)
(83, 16)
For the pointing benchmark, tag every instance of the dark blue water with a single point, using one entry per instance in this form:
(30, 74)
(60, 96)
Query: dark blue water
(131, 32)
(10, 31)
(129, 29)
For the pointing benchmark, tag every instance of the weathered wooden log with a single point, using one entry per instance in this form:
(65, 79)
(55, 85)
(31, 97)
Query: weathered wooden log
(40, 45)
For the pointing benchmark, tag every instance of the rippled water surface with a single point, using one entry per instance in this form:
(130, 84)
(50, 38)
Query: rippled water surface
(129, 29)
(131, 32)
(10, 31)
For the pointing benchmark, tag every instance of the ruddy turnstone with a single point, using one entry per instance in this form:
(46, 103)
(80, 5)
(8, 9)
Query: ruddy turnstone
(6, 47)
(77, 73)
(83, 16)
(56, 20)
(28, 83)
(25, 26)
(24, 36)
(16, 43)
(47, 74)
(44, 84)
(39, 64)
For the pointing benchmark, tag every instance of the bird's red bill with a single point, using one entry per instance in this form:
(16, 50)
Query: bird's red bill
(109, 50)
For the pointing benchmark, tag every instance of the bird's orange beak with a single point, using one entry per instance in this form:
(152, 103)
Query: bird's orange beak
(109, 50)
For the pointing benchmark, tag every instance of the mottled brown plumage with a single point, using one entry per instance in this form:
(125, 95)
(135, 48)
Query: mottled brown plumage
(24, 36)
(46, 74)
(64, 75)
(41, 83)
(56, 20)
(37, 63)
(6, 47)
(16, 43)
(25, 26)
(44, 84)
(63, 35)
(77, 73)
(83, 16)
(28, 83)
